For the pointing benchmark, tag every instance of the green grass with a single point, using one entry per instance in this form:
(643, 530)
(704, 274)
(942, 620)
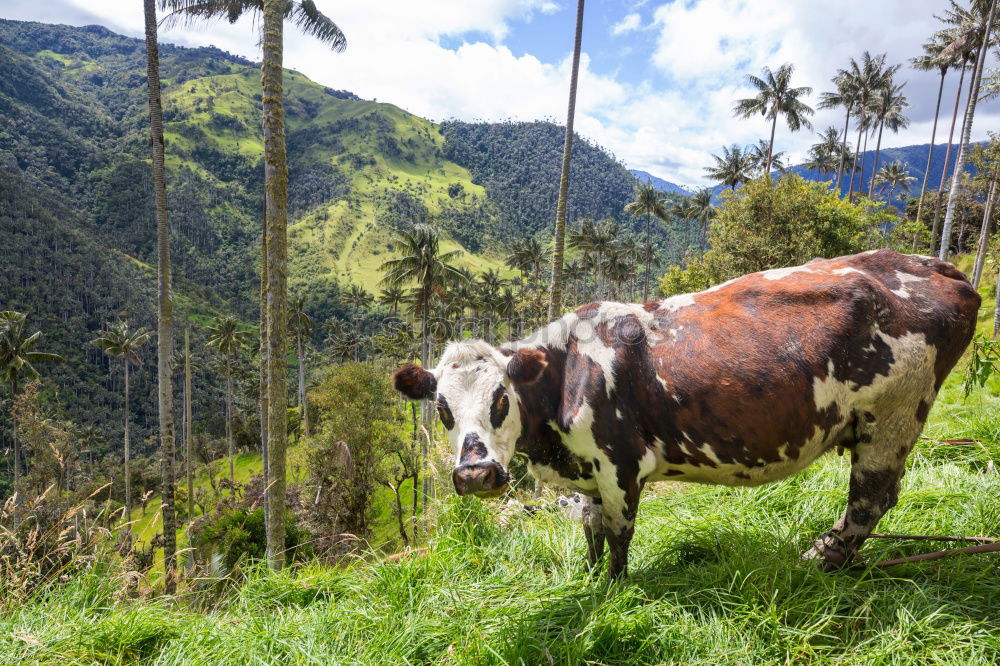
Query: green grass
(715, 579)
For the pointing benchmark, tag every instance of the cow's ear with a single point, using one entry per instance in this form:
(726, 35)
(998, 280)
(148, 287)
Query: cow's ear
(414, 382)
(526, 365)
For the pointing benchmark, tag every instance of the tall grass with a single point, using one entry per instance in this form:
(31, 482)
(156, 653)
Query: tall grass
(715, 578)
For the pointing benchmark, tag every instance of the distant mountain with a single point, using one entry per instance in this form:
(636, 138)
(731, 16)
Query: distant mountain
(913, 157)
(659, 183)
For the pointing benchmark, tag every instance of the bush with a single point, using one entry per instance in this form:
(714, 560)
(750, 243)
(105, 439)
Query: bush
(767, 225)
(238, 533)
(360, 427)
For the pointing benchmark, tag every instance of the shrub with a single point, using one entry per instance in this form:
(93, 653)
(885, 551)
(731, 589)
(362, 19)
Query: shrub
(360, 427)
(237, 534)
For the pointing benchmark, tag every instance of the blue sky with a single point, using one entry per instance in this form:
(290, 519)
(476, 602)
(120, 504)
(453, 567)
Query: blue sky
(658, 78)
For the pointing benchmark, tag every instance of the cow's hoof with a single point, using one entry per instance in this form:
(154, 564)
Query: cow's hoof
(830, 552)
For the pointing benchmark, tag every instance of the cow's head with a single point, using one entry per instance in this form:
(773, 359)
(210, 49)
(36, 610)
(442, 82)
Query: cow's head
(474, 389)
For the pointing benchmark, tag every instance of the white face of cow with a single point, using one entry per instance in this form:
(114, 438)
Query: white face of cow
(473, 391)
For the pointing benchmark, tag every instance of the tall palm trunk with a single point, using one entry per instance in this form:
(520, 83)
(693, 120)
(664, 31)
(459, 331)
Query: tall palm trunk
(770, 146)
(164, 300)
(127, 515)
(276, 219)
(229, 417)
(861, 171)
(645, 278)
(857, 155)
(555, 292)
(963, 148)
(984, 236)
(425, 360)
(303, 400)
(17, 456)
(947, 159)
(188, 426)
(843, 148)
(878, 147)
(930, 157)
(262, 402)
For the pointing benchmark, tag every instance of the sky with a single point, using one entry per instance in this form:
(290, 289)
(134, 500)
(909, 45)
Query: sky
(658, 77)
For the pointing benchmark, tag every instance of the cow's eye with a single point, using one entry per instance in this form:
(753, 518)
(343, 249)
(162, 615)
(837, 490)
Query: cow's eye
(446, 418)
(499, 407)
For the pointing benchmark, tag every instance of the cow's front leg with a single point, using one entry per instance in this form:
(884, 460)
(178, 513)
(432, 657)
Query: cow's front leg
(593, 529)
(619, 525)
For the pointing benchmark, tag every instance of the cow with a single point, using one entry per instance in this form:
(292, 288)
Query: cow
(742, 384)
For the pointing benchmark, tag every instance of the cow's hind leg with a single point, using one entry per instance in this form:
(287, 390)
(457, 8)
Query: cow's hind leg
(877, 465)
(593, 529)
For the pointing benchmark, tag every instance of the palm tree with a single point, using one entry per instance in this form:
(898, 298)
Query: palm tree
(18, 357)
(121, 341)
(164, 302)
(826, 156)
(846, 95)
(758, 153)
(423, 264)
(391, 297)
(516, 259)
(931, 59)
(606, 233)
(698, 207)
(733, 168)
(227, 338)
(867, 79)
(573, 271)
(776, 97)
(555, 290)
(535, 256)
(274, 287)
(301, 326)
(887, 111)
(359, 300)
(983, 29)
(582, 240)
(894, 176)
(647, 203)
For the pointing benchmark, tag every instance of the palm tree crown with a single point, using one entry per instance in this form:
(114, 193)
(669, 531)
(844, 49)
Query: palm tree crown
(119, 340)
(894, 176)
(776, 97)
(18, 355)
(303, 14)
(226, 336)
(733, 168)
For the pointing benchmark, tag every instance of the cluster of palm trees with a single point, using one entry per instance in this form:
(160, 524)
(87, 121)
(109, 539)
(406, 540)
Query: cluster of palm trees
(869, 95)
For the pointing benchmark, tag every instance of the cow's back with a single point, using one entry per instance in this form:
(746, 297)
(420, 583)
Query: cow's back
(775, 367)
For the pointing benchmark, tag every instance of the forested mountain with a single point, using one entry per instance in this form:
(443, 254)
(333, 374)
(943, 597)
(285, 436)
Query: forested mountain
(518, 163)
(76, 218)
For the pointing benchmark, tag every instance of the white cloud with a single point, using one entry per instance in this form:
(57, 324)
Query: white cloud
(629, 23)
(400, 51)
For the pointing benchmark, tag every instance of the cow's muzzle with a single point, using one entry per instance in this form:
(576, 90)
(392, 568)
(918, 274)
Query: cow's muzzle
(483, 479)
